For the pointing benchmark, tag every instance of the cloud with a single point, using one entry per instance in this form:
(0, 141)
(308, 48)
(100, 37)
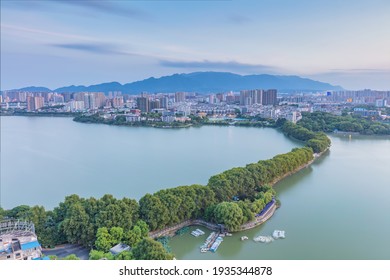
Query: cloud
(220, 65)
(119, 8)
(96, 48)
(111, 7)
(239, 19)
(357, 78)
(358, 70)
(13, 28)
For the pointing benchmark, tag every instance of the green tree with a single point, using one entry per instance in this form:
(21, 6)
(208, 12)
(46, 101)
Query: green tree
(116, 235)
(149, 249)
(98, 255)
(76, 226)
(19, 212)
(104, 240)
(71, 257)
(143, 227)
(125, 255)
(229, 214)
(37, 215)
(2, 214)
(153, 212)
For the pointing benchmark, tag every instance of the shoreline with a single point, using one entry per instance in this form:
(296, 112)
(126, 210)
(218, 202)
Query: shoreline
(171, 231)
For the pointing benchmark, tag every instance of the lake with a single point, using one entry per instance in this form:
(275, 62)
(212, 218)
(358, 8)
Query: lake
(43, 159)
(338, 208)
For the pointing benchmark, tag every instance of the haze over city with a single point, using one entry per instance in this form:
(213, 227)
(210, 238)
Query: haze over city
(59, 43)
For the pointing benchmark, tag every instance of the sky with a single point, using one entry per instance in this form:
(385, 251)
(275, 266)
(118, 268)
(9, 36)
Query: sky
(56, 43)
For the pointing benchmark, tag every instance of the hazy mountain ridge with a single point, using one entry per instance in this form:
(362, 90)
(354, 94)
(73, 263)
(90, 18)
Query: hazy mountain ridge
(203, 82)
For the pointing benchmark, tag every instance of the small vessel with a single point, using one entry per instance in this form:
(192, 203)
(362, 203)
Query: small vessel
(244, 238)
(279, 234)
(216, 244)
(204, 250)
(197, 232)
(263, 239)
(228, 234)
(209, 241)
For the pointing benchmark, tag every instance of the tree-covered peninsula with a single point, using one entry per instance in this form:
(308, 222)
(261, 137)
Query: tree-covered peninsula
(232, 198)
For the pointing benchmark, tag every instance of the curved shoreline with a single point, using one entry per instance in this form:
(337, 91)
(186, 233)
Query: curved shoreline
(170, 231)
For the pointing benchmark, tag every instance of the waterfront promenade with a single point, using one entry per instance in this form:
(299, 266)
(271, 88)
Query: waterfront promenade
(170, 231)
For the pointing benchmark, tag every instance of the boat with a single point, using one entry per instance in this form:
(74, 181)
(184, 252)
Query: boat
(244, 238)
(209, 241)
(204, 250)
(216, 244)
(197, 232)
(263, 239)
(194, 233)
(228, 234)
(279, 234)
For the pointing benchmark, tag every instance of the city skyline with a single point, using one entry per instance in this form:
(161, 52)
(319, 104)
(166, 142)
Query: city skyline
(59, 43)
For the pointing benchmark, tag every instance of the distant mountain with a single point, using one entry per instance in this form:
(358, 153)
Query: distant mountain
(34, 89)
(208, 82)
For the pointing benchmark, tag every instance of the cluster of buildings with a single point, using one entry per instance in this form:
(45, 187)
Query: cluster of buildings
(267, 103)
(18, 241)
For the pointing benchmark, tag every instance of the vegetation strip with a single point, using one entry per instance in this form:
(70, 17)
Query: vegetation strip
(232, 198)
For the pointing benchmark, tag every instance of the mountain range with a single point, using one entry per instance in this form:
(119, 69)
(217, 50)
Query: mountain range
(202, 82)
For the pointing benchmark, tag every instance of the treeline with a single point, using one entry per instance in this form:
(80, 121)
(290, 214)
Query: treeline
(121, 121)
(76, 220)
(326, 122)
(318, 141)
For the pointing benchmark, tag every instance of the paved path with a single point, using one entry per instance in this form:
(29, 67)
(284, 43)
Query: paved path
(172, 229)
(67, 249)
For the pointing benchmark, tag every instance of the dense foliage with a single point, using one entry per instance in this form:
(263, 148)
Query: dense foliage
(149, 249)
(320, 121)
(318, 141)
(152, 120)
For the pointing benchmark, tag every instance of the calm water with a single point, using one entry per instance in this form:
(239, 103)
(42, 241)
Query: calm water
(338, 208)
(45, 159)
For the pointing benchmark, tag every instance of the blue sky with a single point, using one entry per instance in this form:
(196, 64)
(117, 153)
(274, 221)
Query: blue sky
(58, 43)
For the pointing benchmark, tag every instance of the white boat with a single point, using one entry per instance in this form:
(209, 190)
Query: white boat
(263, 239)
(197, 232)
(201, 232)
(229, 234)
(216, 244)
(279, 234)
(244, 238)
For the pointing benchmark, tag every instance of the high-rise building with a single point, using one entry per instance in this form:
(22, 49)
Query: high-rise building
(117, 102)
(100, 99)
(30, 103)
(143, 104)
(67, 96)
(35, 102)
(211, 99)
(76, 105)
(57, 98)
(180, 96)
(164, 102)
(89, 101)
(258, 96)
(270, 97)
(155, 104)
